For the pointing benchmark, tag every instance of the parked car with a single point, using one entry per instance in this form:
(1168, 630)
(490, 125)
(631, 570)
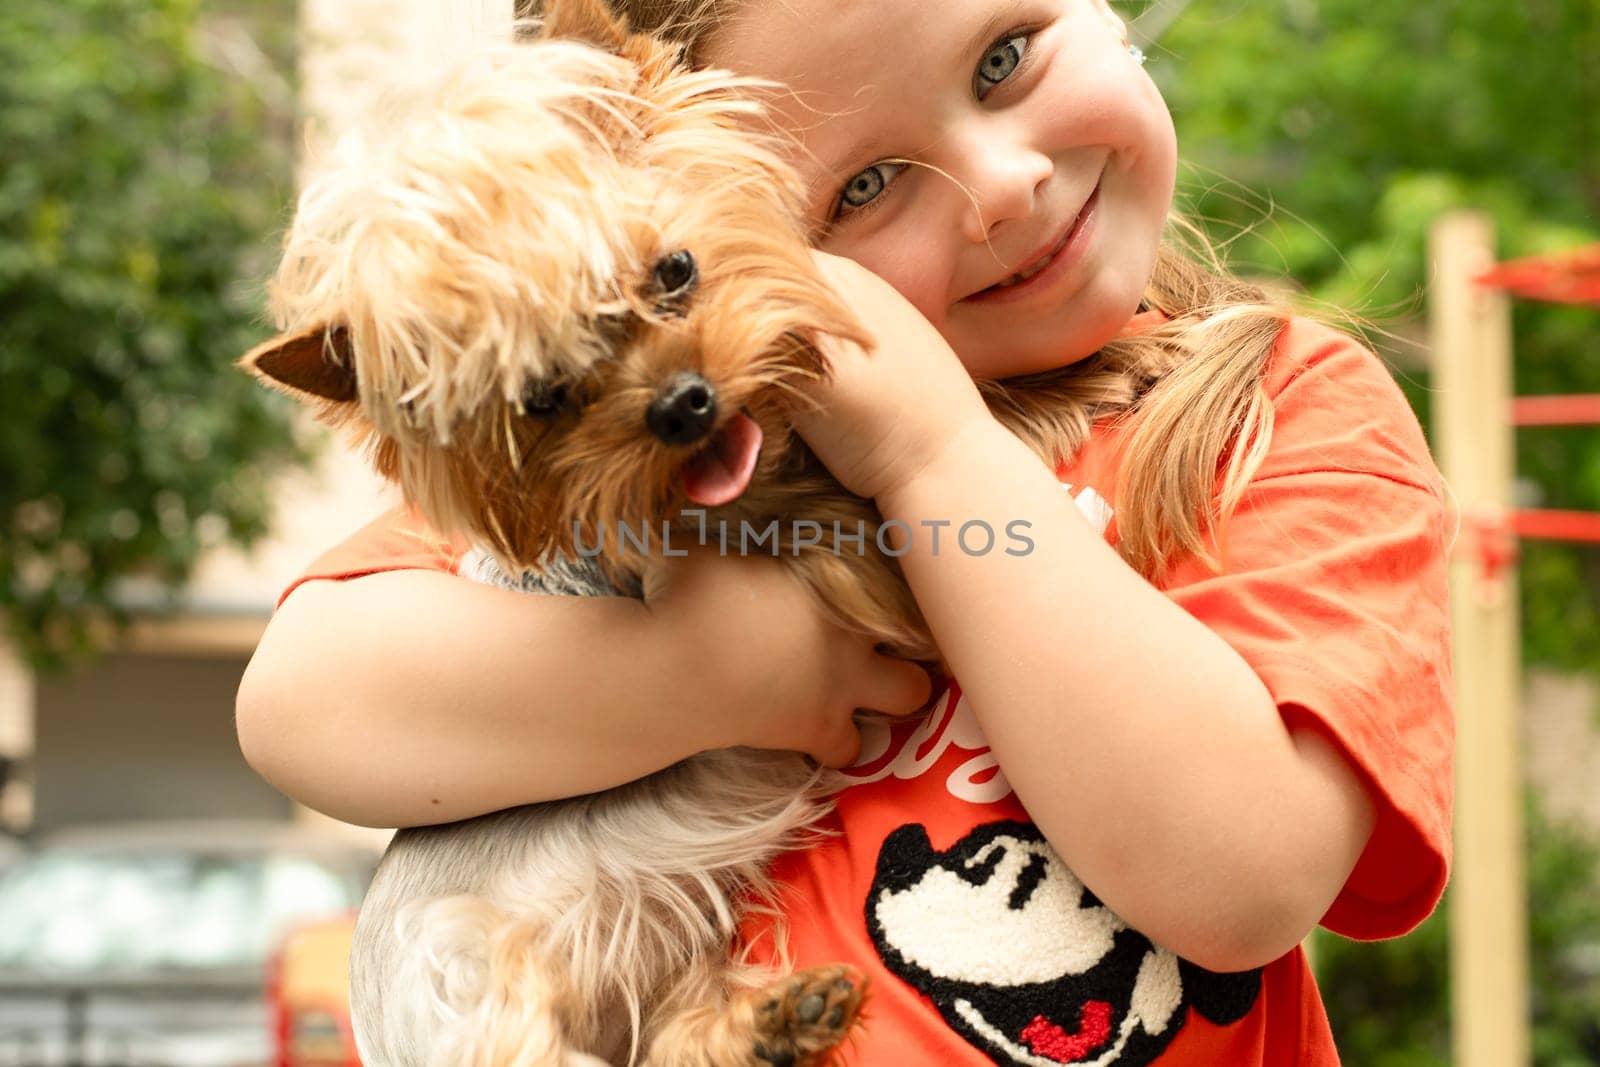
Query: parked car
(149, 944)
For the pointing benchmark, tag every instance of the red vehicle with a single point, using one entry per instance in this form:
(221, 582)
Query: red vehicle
(308, 994)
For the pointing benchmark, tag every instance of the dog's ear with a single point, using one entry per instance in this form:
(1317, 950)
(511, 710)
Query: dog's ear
(315, 361)
(590, 21)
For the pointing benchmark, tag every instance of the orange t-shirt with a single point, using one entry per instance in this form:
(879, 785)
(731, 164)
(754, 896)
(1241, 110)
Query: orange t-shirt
(981, 945)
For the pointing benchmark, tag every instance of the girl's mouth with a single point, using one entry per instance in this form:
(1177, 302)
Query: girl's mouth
(1049, 258)
(1049, 267)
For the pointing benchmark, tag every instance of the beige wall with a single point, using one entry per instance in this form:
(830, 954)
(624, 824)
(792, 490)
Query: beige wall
(144, 737)
(16, 735)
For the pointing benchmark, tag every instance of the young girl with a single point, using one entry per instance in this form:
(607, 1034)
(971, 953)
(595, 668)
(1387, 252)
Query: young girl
(1206, 710)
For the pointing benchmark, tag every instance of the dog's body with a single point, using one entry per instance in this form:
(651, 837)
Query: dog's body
(573, 296)
(539, 929)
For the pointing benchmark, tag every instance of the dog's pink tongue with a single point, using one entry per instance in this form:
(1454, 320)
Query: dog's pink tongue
(719, 472)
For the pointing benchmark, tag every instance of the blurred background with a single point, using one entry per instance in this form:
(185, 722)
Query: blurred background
(162, 904)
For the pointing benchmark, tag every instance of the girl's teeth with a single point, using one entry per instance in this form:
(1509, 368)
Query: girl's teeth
(1022, 276)
(1019, 278)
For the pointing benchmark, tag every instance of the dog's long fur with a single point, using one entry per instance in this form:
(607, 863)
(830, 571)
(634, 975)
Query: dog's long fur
(437, 290)
(478, 296)
(573, 925)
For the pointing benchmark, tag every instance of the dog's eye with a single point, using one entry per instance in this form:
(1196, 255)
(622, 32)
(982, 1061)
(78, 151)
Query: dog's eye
(675, 275)
(545, 399)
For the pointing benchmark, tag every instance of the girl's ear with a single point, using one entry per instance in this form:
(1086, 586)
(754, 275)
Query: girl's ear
(315, 362)
(590, 21)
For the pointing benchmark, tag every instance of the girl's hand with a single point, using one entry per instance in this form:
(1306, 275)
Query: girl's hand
(777, 672)
(887, 413)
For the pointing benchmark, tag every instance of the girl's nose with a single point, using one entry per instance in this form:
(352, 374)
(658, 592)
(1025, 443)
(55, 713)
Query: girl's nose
(1003, 179)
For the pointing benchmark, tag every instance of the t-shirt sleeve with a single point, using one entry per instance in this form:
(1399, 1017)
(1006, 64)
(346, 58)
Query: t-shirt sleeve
(397, 540)
(1334, 589)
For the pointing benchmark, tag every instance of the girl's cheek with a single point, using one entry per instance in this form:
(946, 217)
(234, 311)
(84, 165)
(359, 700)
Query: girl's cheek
(912, 263)
(1093, 96)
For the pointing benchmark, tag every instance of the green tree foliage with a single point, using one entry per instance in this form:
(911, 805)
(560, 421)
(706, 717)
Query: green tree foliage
(1325, 136)
(1389, 1002)
(140, 177)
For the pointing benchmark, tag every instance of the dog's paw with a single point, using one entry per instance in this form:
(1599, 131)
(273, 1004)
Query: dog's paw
(800, 1019)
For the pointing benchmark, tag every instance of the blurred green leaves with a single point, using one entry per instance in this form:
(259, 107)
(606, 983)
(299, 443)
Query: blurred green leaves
(1323, 138)
(1389, 1003)
(141, 187)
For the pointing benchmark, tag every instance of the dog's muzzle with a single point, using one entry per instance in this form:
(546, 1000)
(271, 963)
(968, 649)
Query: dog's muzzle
(684, 411)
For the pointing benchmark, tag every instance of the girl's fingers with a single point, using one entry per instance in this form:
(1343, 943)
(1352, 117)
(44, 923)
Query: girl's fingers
(898, 687)
(842, 749)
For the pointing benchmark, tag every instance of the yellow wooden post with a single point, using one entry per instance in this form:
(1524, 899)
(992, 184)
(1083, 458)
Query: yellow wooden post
(1471, 341)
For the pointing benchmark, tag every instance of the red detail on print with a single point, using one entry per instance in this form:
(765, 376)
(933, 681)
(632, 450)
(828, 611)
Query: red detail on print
(949, 710)
(1047, 1039)
(944, 707)
(985, 776)
(867, 770)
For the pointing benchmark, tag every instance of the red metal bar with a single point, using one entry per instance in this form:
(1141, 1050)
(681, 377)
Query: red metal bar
(1576, 410)
(1493, 538)
(1567, 278)
(1487, 539)
(1580, 526)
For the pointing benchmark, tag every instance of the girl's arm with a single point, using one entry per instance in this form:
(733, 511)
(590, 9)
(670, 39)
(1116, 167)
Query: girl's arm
(1146, 749)
(414, 697)
(1144, 746)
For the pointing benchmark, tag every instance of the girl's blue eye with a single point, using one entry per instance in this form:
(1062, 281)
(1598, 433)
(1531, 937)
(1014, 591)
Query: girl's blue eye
(867, 186)
(999, 63)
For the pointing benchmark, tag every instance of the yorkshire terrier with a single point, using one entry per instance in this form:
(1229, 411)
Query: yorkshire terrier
(571, 299)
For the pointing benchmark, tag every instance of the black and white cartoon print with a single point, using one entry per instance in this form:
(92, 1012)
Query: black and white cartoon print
(1024, 962)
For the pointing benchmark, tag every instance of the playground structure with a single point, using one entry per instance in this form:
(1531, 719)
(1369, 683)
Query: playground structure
(1476, 415)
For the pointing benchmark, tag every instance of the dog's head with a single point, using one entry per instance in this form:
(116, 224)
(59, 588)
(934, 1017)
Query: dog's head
(573, 291)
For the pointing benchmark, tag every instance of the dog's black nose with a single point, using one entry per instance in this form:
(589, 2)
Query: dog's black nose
(684, 411)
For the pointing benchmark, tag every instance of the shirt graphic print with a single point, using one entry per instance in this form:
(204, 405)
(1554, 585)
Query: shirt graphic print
(1020, 958)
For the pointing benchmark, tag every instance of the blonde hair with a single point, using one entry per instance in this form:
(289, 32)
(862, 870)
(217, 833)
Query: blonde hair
(1188, 389)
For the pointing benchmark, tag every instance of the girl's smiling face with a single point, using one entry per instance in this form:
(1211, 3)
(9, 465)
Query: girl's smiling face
(956, 147)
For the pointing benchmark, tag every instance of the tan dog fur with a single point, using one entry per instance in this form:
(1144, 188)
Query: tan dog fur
(436, 290)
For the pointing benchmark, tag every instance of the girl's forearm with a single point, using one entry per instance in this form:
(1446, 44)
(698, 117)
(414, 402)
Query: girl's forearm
(387, 700)
(1147, 750)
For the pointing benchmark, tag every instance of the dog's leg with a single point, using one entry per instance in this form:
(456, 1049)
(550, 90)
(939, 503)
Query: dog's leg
(796, 1021)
